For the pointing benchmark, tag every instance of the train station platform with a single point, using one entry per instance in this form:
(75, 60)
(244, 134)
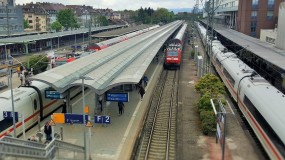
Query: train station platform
(116, 140)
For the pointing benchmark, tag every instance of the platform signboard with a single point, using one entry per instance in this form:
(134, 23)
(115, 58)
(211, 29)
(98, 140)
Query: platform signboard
(58, 118)
(75, 118)
(51, 94)
(9, 115)
(102, 119)
(123, 97)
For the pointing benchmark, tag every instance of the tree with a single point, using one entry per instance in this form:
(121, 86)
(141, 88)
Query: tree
(67, 19)
(39, 63)
(103, 21)
(162, 15)
(56, 26)
(26, 24)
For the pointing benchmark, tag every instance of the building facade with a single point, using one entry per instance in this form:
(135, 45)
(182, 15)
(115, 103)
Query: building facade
(37, 17)
(254, 15)
(226, 12)
(11, 18)
(280, 42)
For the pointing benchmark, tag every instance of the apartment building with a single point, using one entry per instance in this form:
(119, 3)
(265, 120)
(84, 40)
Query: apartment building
(37, 17)
(254, 15)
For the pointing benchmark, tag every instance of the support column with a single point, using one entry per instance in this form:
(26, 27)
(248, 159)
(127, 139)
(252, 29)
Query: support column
(68, 105)
(96, 103)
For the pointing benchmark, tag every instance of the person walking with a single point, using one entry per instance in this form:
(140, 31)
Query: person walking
(141, 92)
(47, 130)
(121, 107)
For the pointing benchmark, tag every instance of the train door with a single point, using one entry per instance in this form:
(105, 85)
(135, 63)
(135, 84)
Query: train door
(34, 105)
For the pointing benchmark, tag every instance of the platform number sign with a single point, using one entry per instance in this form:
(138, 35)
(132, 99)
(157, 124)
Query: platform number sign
(9, 115)
(102, 119)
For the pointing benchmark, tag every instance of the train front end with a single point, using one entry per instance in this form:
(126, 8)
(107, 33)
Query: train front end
(172, 58)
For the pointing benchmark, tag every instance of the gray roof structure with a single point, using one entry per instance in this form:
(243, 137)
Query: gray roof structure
(123, 63)
(264, 50)
(31, 38)
(119, 32)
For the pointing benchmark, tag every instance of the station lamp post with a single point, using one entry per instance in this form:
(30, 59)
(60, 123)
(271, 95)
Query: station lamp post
(12, 99)
(83, 107)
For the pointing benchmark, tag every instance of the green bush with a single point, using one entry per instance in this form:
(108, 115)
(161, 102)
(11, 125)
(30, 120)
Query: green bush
(208, 122)
(205, 103)
(192, 54)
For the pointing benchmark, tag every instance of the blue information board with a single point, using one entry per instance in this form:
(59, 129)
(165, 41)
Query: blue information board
(123, 97)
(9, 115)
(50, 94)
(75, 118)
(102, 119)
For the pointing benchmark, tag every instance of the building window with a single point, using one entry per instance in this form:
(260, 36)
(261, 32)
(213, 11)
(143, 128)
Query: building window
(254, 4)
(253, 14)
(269, 15)
(270, 4)
(270, 40)
(30, 21)
(253, 28)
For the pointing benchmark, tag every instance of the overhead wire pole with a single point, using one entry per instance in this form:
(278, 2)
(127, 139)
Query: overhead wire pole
(89, 33)
(7, 17)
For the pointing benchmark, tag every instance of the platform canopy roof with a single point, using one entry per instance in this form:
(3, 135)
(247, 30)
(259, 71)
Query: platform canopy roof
(123, 63)
(119, 32)
(264, 50)
(31, 38)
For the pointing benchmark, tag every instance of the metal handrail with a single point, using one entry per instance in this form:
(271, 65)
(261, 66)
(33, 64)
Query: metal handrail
(21, 148)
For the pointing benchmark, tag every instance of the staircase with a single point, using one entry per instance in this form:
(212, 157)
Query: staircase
(11, 148)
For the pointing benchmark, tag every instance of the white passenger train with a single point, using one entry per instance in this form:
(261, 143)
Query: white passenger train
(261, 103)
(30, 102)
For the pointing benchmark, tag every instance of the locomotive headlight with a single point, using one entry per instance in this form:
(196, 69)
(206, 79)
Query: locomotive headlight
(168, 58)
(175, 59)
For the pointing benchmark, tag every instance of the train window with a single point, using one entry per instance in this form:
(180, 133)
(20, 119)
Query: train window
(35, 104)
(229, 77)
(218, 62)
(172, 53)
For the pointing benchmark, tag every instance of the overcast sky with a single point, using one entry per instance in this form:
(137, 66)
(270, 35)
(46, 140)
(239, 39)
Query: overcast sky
(122, 4)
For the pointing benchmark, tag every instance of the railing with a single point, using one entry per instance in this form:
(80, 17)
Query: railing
(13, 147)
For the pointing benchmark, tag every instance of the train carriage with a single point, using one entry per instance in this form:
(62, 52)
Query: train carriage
(173, 51)
(260, 102)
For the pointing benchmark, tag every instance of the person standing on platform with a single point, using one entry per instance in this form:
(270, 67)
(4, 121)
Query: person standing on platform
(139, 84)
(21, 78)
(121, 107)
(64, 107)
(101, 103)
(141, 92)
(19, 71)
(48, 131)
(145, 80)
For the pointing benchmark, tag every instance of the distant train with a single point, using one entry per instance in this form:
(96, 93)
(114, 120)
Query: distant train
(174, 49)
(107, 43)
(261, 103)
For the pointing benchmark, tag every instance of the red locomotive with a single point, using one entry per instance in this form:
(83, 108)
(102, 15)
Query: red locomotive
(174, 50)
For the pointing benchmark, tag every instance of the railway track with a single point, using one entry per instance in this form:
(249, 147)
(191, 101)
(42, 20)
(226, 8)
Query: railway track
(159, 133)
